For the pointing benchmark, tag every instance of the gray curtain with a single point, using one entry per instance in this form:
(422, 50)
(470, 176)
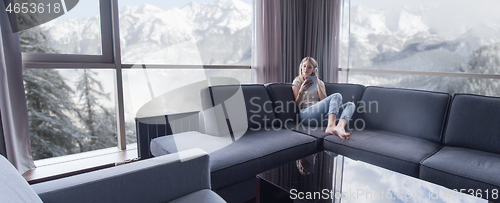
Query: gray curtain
(292, 37)
(266, 60)
(307, 28)
(12, 99)
(2, 141)
(322, 31)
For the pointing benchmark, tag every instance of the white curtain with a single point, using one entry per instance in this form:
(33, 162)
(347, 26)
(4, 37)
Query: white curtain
(12, 99)
(285, 31)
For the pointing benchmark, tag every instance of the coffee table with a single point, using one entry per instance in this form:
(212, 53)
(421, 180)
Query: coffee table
(327, 177)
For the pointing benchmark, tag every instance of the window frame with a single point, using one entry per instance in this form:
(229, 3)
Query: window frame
(109, 59)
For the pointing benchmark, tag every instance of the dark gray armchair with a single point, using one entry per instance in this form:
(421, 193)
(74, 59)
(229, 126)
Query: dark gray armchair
(179, 177)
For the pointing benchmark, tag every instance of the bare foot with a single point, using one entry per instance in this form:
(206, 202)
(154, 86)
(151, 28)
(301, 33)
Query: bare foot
(340, 131)
(329, 130)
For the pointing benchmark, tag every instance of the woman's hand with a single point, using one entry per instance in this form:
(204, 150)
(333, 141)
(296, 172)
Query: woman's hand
(305, 85)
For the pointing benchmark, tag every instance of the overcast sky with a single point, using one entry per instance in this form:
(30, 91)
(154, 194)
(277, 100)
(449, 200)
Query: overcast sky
(85, 8)
(449, 18)
(448, 8)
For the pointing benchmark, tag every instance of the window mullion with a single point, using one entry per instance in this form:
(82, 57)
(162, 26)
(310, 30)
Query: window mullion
(116, 53)
(106, 30)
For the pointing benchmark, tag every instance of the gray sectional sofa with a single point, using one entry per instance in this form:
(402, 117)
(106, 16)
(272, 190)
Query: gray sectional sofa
(253, 149)
(470, 157)
(402, 131)
(153, 180)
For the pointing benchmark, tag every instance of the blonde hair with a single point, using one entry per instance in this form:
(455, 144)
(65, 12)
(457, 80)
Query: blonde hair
(312, 61)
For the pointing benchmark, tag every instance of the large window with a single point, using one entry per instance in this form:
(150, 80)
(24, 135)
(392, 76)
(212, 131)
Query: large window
(76, 84)
(71, 107)
(180, 38)
(448, 46)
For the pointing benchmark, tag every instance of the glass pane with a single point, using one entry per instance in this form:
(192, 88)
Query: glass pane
(363, 182)
(451, 85)
(416, 35)
(198, 32)
(150, 92)
(70, 110)
(344, 40)
(76, 32)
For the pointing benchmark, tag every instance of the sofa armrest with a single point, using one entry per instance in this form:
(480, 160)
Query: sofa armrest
(158, 179)
(201, 123)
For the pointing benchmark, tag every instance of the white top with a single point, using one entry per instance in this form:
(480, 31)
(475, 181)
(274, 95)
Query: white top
(310, 97)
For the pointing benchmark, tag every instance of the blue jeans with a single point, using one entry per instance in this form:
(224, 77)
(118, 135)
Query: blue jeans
(318, 113)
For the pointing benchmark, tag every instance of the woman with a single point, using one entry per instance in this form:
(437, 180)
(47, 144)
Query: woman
(314, 104)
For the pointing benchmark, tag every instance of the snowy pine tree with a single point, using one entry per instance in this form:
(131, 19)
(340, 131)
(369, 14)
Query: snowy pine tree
(483, 60)
(100, 129)
(33, 40)
(48, 97)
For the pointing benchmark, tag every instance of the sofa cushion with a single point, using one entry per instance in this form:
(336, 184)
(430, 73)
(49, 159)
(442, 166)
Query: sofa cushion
(251, 101)
(258, 106)
(461, 168)
(283, 99)
(148, 128)
(201, 196)
(474, 123)
(389, 150)
(13, 187)
(256, 152)
(224, 111)
(317, 132)
(188, 140)
(420, 114)
(349, 92)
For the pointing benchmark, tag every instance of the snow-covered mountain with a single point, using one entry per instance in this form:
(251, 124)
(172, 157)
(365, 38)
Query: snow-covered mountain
(418, 39)
(213, 33)
(396, 33)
